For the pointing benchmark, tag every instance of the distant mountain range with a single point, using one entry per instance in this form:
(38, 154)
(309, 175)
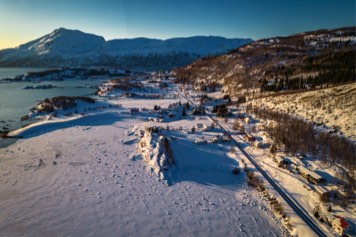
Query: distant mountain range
(65, 47)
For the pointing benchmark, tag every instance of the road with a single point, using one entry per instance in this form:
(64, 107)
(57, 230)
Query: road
(291, 202)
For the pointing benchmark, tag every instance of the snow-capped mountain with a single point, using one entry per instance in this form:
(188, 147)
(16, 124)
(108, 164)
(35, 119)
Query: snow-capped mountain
(65, 47)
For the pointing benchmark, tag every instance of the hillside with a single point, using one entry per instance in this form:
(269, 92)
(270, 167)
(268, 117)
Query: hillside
(334, 107)
(302, 61)
(65, 47)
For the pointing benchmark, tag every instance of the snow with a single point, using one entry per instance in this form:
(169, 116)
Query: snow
(81, 177)
(90, 174)
(68, 45)
(200, 45)
(62, 42)
(333, 107)
(296, 186)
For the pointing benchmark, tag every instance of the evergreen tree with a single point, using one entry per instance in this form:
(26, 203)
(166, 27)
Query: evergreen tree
(183, 112)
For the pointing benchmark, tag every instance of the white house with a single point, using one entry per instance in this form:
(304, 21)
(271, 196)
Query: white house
(340, 225)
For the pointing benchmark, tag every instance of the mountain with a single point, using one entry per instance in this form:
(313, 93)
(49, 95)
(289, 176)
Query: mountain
(298, 62)
(65, 47)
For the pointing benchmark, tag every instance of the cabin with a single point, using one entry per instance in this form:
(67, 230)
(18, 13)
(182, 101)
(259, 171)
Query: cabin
(258, 144)
(247, 120)
(134, 110)
(216, 139)
(200, 110)
(205, 128)
(261, 128)
(250, 138)
(280, 160)
(320, 190)
(340, 225)
(179, 128)
(310, 176)
(199, 125)
(295, 161)
(294, 168)
(200, 141)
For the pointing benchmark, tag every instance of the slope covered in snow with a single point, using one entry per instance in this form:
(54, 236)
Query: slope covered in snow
(334, 107)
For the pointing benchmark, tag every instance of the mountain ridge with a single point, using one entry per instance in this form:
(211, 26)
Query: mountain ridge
(64, 47)
(300, 61)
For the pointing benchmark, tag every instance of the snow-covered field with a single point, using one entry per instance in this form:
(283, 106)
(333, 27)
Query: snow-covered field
(76, 178)
(99, 169)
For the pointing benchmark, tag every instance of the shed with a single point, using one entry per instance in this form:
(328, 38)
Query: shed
(134, 110)
(310, 175)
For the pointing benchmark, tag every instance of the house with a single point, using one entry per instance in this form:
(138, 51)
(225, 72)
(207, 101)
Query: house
(261, 128)
(279, 160)
(340, 225)
(200, 110)
(205, 128)
(258, 144)
(309, 175)
(179, 128)
(250, 138)
(295, 161)
(320, 190)
(200, 141)
(247, 120)
(199, 125)
(216, 139)
(134, 110)
(294, 168)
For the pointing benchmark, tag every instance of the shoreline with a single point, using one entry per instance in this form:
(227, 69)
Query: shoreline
(15, 134)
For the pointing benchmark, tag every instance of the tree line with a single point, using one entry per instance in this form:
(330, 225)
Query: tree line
(298, 135)
(332, 69)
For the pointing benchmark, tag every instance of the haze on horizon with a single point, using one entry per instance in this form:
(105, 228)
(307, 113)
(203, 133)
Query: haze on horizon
(26, 20)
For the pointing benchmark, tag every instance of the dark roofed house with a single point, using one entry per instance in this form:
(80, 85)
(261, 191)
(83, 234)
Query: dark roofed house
(134, 110)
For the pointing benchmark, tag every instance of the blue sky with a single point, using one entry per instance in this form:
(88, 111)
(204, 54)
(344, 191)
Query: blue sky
(24, 20)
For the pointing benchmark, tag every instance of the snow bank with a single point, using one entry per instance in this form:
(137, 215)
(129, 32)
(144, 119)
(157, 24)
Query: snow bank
(156, 152)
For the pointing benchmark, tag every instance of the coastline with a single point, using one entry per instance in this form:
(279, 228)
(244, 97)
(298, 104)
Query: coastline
(20, 133)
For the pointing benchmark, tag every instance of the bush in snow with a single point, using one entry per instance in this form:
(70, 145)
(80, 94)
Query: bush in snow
(232, 149)
(183, 112)
(156, 152)
(212, 126)
(236, 171)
